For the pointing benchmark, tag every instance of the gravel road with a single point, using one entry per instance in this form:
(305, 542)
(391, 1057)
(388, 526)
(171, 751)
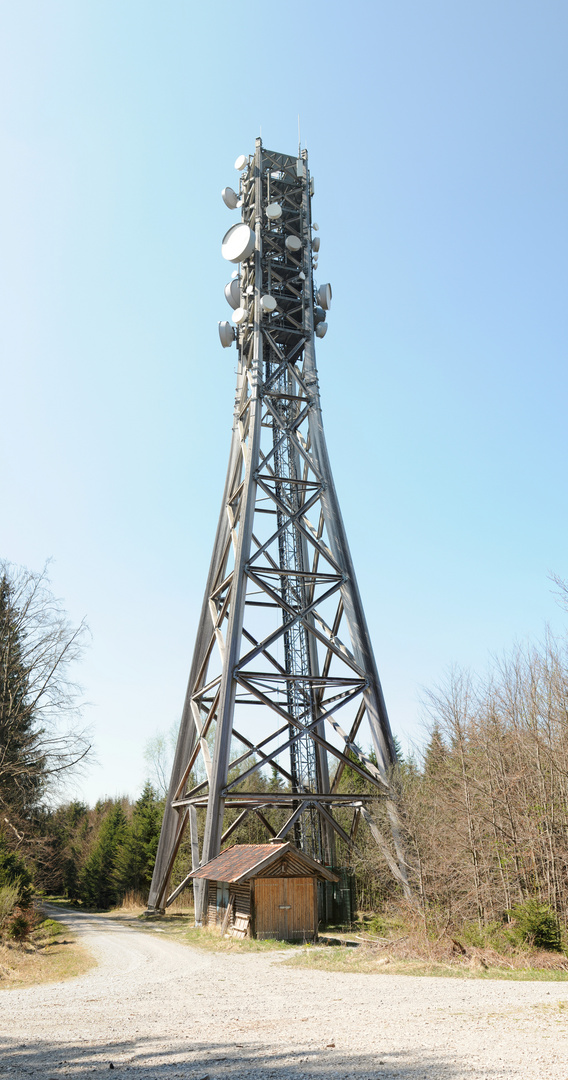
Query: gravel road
(157, 1010)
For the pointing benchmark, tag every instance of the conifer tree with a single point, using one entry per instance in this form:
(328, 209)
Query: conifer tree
(21, 765)
(137, 854)
(37, 647)
(436, 752)
(100, 886)
(13, 871)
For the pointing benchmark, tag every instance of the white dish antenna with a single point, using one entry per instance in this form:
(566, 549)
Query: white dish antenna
(241, 162)
(268, 303)
(230, 198)
(240, 315)
(273, 211)
(321, 329)
(293, 243)
(233, 293)
(323, 296)
(238, 243)
(316, 243)
(226, 334)
(315, 226)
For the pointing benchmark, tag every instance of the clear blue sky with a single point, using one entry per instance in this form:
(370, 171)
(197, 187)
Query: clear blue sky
(437, 138)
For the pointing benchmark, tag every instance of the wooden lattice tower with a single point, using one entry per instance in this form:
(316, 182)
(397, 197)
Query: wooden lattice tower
(283, 673)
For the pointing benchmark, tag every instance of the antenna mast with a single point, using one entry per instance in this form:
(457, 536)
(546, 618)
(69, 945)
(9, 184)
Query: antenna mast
(283, 673)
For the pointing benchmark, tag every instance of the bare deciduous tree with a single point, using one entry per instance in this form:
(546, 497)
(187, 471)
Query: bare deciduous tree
(486, 810)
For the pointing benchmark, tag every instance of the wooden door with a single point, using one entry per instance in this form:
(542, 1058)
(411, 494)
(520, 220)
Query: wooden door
(269, 913)
(284, 908)
(302, 915)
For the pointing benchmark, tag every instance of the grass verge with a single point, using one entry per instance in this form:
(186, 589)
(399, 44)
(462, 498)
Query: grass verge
(369, 960)
(405, 954)
(180, 927)
(402, 949)
(49, 954)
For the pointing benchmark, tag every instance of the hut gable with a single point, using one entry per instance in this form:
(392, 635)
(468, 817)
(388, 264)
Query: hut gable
(287, 866)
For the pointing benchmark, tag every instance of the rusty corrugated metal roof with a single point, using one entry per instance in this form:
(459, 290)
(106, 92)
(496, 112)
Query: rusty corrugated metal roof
(235, 861)
(238, 862)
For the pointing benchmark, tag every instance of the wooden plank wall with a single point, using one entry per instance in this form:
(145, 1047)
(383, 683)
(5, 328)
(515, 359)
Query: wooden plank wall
(212, 904)
(241, 920)
(240, 917)
(242, 898)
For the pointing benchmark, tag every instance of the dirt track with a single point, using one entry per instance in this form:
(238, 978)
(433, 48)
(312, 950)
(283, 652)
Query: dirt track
(158, 1010)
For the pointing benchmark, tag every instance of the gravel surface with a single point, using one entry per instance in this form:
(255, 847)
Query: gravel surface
(156, 1010)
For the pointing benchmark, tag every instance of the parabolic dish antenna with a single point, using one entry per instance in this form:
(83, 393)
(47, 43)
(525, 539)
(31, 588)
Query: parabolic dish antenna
(238, 243)
(268, 303)
(241, 162)
(323, 296)
(226, 334)
(240, 315)
(233, 293)
(293, 243)
(316, 243)
(321, 329)
(273, 211)
(230, 198)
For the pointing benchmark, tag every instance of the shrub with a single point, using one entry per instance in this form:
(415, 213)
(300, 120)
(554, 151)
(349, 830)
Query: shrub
(490, 936)
(377, 925)
(9, 896)
(19, 928)
(14, 872)
(536, 924)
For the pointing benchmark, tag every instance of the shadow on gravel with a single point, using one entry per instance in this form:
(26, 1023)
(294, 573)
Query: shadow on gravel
(198, 1061)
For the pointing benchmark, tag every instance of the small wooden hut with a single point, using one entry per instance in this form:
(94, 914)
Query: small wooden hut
(264, 891)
